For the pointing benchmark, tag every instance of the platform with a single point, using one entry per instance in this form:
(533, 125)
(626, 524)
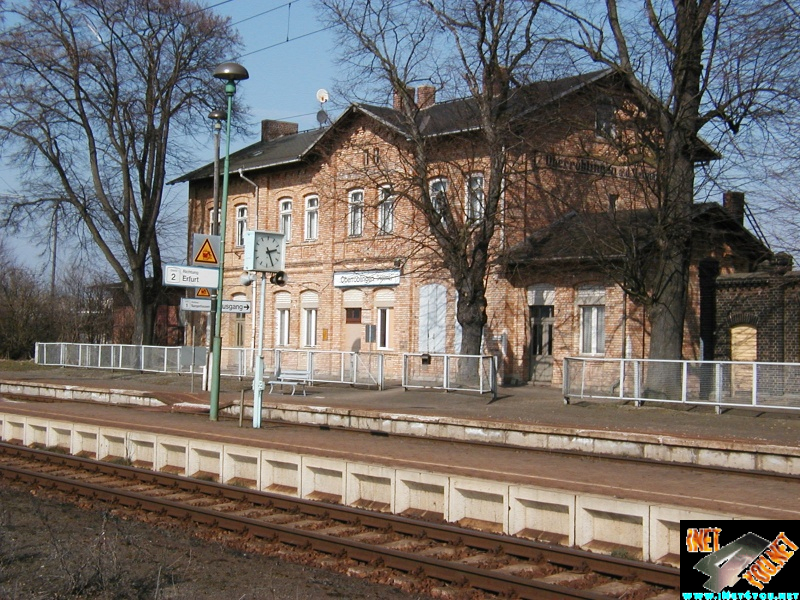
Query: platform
(416, 453)
(524, 417)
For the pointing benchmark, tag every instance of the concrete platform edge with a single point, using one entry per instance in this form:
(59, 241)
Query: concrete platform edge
(667, 448)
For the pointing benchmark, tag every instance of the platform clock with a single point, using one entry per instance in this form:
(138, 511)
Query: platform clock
(264, 251)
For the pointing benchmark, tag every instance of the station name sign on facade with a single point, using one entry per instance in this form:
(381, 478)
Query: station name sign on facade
(366, 278)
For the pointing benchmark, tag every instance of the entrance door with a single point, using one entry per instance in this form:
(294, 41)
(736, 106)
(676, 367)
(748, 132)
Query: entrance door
(352, 330)
(541, 350)
(744, 347)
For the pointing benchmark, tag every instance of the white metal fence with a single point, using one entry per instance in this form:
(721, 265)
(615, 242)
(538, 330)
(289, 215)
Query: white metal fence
(439, 371)
(330, 366)
(325, 366)
(457, 372)
(160, 359)
(723, 384)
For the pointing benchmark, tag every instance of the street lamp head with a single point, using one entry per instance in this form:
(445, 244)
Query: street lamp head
(217, 115)
(231, 71)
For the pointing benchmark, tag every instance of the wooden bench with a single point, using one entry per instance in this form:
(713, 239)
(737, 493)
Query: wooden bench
(292, 378)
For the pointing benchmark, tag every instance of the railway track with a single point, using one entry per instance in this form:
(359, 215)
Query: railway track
(495, 564)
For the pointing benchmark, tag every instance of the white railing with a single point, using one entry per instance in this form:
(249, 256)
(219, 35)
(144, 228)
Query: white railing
(326, 366)
(157, 359)
(722, 384)
(330, 366)
(160, 359)
(457, 372)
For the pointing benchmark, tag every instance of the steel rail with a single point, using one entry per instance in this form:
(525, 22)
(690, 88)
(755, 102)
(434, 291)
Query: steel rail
(454, 572)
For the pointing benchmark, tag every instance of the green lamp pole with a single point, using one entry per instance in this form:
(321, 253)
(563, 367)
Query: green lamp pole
(231, 73)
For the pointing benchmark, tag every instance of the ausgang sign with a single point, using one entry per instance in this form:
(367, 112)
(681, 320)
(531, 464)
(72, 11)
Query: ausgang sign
(204, 305)
(366, 278)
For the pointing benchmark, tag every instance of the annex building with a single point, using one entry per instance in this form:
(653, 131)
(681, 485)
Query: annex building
(365, 275)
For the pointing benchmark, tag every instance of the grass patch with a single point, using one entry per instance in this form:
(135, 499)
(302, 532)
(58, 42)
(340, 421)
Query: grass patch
(21, 365)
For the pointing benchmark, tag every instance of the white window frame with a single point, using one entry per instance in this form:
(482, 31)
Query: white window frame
(312, 218)
(285, 207)
(384, 328)
(605, 125)
(475, 197)
(211, 221)
(593, 332)
(355, 213)
(309, 326)
(438, 189)
(386, 200)
(241, 224)
(282, 323)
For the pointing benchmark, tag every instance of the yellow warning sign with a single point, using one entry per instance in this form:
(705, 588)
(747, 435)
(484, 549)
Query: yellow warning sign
(203, 293)
(206, 254)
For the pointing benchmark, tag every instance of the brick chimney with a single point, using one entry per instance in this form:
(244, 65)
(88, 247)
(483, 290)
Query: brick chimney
(733, 202)
(399, 98)
(274, 129)
(426, 96)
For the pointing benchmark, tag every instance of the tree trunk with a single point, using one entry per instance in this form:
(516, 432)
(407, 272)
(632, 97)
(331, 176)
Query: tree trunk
(670, 279)
(144, 304)
(471, 313)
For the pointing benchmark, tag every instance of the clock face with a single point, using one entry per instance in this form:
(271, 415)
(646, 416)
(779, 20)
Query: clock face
(265, 252)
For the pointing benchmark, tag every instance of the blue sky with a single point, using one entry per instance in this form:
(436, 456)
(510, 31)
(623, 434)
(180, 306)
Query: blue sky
(284, 75)
(289, 57)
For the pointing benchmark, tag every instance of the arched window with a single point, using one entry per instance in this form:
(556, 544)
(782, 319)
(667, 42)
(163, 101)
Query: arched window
(241, 223)
(283, 304)
(285, 206)
(591, 301)
(438, 192)
(312, 218)
(744, 348)
(475, 197)
(384, 306)
(385, 210)
(238, 320)
(309, 303)
(211, 229)
(355, 216)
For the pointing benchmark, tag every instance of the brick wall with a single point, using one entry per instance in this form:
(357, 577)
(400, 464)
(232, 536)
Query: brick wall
(365, 156)
(768, 300)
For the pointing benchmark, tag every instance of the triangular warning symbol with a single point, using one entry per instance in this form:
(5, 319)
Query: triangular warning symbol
(203, 293)
(206, 254)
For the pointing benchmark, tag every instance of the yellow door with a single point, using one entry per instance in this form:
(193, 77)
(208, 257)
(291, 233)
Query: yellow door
(744, 347)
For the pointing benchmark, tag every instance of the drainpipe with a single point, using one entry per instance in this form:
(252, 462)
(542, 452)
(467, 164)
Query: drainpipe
(255, 287)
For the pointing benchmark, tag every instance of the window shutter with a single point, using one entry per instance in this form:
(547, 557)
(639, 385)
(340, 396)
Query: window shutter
(283, 300)
(353, 299)
(384, 299)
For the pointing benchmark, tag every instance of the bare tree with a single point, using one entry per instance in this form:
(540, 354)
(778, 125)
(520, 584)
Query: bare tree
(481, 49)
(91, 92)
(26, 314)
(693, 66)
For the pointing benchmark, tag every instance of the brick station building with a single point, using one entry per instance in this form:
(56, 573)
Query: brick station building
(361, 272)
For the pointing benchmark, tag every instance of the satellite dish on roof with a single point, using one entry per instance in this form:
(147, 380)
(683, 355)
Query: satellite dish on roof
(322, 98)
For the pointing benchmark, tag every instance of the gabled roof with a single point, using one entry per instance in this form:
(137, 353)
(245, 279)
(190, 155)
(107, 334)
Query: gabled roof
(440, 119)
(283, 150)
(610, 236)
(457, 116)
